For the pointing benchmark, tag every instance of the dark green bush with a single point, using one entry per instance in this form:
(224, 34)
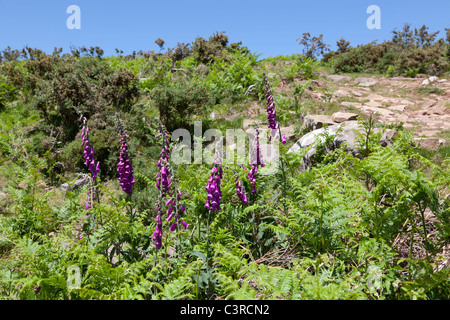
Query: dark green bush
(177, 104)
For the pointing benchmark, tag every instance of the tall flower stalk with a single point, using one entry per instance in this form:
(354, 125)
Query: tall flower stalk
(256, 161)
(274, 125)
(165, 183)
(125, 169)
(93, 167)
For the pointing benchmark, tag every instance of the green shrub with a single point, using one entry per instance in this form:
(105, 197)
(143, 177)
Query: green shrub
(178, 103)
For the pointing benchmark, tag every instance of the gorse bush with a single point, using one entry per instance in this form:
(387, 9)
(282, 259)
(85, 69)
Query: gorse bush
(179, 103)
(408, 53)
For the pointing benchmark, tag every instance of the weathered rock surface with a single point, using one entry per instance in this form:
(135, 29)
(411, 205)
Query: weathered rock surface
(429, 143)
(344, 134)
(76, 185)
(336, 77)
(339, 117)
(316, 121)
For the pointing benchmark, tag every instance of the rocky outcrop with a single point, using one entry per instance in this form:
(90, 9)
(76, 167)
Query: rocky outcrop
(344, 135)
(316, 121)
(76, 185)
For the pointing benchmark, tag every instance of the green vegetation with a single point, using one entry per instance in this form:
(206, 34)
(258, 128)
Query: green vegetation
(373, 227)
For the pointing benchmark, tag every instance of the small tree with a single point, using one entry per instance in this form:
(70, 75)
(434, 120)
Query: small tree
(313, 47)
(404, 38)
(423, 38)
(343, 45)
(160, 42)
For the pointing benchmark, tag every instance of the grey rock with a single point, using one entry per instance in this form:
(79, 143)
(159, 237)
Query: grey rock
(316, 121)
(339, 117)
(429, 143)
(344, 135)
(366, 82)
(388, 137)
(76, 185)
(336, 77)
(65, 187)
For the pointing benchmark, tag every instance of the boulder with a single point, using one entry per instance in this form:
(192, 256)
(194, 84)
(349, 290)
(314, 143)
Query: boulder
(316, 121)
(366, 82)
(288, 132)
(429, 143)
(388, 137)
(399, 108)
(344, 134)
(380, 111)
(336, 77)
(76, 185)
(339, 117)
(433, 79)
(356, 105)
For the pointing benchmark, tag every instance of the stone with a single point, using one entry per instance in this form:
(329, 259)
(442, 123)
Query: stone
(375, 97)
(425, 82)
(76, 185)
(433, 79)
(288, 132)
(346, 135)
(429, 143)
(339, 117)
(373, 104)
(341, 93)
(440, 108)
(388, 137)
(65, 187)
(380, 111)
(313, 122)
(356, 105)
(399, 108)
(366, 82)
(336, 77)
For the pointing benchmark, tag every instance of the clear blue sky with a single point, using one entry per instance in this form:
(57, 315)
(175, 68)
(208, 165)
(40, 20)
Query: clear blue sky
(269, 28)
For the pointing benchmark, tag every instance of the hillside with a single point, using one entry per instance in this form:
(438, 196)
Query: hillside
(93, 204)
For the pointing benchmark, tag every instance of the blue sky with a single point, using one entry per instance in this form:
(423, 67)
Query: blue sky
(269, 28)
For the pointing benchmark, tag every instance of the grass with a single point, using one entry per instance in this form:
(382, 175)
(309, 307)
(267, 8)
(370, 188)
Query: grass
(430, 90)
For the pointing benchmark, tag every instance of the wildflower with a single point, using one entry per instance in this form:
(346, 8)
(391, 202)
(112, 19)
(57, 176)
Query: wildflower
(88, 152)
(283, 139)
(256, 161)
(240, 192)
(157, 235)
(213, 187)
(126, 172)
(271, 113)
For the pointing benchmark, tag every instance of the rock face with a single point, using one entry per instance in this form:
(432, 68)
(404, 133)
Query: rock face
(314, 122)
(76, 185)
(346, 135)
(429, 143)
(366, 82)
(339, 117)
(336, 77)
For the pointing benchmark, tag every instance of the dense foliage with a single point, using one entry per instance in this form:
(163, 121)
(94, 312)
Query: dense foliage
(331, 231)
